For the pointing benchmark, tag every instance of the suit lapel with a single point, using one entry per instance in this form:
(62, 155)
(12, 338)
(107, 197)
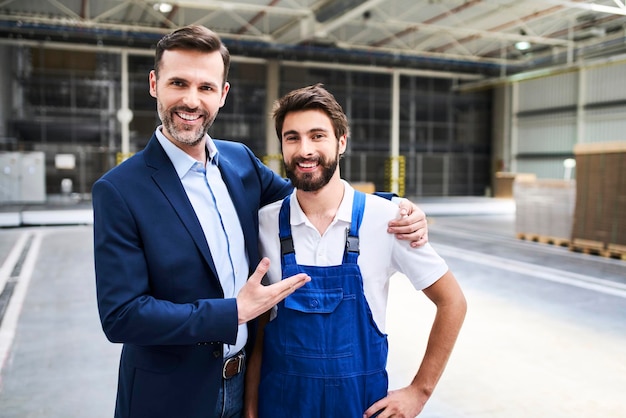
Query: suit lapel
(167, 180)
(237, 193)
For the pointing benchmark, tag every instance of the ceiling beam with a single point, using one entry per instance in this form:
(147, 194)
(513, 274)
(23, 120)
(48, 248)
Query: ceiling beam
(621, 10)
(258, 16)
(322, 30)
(244, 7)
(71, 13)
(432, 20)
(467, 32)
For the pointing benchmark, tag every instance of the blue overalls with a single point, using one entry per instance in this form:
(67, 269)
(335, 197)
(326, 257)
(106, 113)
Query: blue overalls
(323, 355)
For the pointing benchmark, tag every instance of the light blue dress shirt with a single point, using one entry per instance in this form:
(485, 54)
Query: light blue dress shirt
(216, 212)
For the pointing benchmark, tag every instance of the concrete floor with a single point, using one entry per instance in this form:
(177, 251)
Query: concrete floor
(545, 333)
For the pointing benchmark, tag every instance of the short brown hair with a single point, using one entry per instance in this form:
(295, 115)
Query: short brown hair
(308, 98)
(192, 38)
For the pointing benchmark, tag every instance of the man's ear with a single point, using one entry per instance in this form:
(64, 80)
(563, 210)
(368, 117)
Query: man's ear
(225, 90)
(152, 83)
(343, 143)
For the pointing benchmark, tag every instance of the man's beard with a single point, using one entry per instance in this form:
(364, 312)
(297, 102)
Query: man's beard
(182, 133)
(306, 181)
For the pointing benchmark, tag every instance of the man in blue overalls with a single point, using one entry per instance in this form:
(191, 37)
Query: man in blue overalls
(324, 351)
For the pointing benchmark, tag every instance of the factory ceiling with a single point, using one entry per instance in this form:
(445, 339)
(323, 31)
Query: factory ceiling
(488, 38)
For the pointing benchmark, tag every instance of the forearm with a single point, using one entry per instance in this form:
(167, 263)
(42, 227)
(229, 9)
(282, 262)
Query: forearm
(444, 332)
(451, 306)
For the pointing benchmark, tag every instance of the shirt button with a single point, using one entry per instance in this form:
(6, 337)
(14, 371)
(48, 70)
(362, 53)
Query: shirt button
(315, 303)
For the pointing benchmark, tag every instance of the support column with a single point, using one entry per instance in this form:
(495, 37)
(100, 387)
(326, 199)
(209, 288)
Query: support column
(395, 132)
(273, 157)
(6, 85)
(580, 106)
(513, 150)
(124, 114)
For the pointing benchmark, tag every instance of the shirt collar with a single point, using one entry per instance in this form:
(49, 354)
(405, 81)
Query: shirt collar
(344, 212)
(212, 150)
(180, 159)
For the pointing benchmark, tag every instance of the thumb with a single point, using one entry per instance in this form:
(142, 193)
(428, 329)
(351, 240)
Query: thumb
(261, 269)
(404, 208)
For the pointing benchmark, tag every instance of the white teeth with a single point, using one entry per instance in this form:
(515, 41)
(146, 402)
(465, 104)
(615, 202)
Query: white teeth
(309, 165)
(188, 117)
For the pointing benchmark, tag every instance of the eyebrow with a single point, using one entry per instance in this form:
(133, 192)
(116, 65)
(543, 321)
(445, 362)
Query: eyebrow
(184, 80)
(310, 131)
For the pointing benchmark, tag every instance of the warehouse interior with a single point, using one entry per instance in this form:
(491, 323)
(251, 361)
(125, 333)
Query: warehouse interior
(445, 97)
(503, 120)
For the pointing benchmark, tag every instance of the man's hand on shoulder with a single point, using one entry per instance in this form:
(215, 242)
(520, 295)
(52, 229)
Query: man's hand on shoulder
(411, 224)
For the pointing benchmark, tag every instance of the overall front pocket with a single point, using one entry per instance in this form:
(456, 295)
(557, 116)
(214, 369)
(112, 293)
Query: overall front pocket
(318, 323)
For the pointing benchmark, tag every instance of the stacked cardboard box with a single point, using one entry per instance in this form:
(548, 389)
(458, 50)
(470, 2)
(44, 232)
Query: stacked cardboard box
(503, 183)
(600, 216)
(544, 209)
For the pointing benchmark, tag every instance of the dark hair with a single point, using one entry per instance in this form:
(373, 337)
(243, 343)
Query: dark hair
(192, 38)
(308, 98)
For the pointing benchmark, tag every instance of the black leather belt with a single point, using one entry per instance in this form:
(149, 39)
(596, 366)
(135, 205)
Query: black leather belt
(233, 365)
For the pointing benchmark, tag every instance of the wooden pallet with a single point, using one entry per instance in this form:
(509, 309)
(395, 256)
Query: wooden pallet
(617, 251)
(598, 248)
(544, 239)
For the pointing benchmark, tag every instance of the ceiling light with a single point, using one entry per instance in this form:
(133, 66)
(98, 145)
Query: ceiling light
(163, 7)
(522, 45)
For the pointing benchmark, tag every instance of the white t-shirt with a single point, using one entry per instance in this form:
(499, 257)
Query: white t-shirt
(381, 254)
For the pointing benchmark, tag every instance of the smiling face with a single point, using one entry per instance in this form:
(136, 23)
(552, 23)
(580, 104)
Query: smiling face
(190, 91)
(310, 149)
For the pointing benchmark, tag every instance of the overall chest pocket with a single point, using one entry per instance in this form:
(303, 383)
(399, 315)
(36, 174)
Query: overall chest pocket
(318, 323)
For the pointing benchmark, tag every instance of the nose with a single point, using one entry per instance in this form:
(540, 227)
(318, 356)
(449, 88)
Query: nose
(191, 99)
(306, 147)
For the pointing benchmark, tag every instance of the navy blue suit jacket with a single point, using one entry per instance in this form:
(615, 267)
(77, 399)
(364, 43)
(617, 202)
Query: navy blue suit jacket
(157, 287)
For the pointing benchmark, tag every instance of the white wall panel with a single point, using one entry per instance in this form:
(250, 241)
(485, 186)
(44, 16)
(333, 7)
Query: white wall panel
(606, 84)
(546, 134)
(543, 168)
(22, 177)
(603, 125)
(548, 92)
(546, 114)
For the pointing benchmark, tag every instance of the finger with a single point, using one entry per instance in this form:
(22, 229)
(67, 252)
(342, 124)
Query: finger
(414, 217)
(405, 209)
(404, 206)
(294, 282)
(261, 269)
(415, 244)
(287, 286)
(291, 284)
(410, 220)
(372, 410)
(410, 231)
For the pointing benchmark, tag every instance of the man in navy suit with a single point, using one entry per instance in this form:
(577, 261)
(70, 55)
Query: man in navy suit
(175, 236)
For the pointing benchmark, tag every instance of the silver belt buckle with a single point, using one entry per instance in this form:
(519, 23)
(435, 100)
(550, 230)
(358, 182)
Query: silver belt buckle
(239, 360)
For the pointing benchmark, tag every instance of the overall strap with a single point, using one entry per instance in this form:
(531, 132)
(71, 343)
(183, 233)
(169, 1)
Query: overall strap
(287, 251)
(351, 253)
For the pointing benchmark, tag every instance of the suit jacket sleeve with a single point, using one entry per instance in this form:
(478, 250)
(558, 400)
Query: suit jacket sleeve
(140, 304)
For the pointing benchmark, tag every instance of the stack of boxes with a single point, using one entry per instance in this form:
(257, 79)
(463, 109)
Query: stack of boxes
(600, 215)
(544, 209)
